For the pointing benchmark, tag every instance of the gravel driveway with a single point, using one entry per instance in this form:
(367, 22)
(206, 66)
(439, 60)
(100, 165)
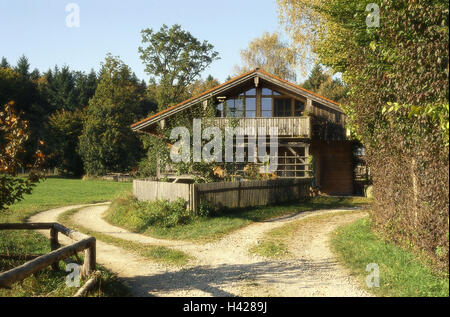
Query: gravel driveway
(225, 267)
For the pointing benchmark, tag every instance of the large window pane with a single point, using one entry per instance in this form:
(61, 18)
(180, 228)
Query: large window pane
(251, 92)
(230, 109)
(299, 108)
(266, 107)
(250, 107)
(282, 107)
(266, 92)
(235, 108)
(219, 110)
(239, 105)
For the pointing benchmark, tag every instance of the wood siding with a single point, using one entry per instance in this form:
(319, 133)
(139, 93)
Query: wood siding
(226, 194)
(334, 167)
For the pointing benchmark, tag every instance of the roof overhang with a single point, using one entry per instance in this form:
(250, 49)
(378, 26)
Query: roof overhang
(222, 89)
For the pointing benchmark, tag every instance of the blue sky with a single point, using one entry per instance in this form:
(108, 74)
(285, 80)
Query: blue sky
(37, 28)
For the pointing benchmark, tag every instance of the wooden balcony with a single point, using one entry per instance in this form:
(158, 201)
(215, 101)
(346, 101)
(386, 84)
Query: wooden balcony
(296, 127)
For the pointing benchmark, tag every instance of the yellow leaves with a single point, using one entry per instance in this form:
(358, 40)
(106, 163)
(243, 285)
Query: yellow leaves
(306, 26)
(270, 53)
(14, 134)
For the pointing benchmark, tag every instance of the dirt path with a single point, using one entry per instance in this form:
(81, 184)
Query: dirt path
(224, 267)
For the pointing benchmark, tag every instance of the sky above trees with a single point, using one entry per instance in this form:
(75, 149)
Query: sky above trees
(38, 30)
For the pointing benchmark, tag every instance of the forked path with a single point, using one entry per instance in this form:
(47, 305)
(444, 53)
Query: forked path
(225, 267)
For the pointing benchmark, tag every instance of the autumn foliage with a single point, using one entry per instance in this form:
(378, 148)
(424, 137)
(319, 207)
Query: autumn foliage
(13, 134)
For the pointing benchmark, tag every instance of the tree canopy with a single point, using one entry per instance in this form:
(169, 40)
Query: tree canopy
(323, 83)
(270, 53)
(174, 58)
(107, 143)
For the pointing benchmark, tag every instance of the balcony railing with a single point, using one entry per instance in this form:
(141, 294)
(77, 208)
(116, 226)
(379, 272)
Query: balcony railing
(287, 126)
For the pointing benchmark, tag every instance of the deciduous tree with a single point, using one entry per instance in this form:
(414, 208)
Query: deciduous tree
(174, 58)
(13, 134)
(107, 143)
(272, 54)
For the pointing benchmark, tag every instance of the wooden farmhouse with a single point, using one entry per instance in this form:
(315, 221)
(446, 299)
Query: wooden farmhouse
(308, 124)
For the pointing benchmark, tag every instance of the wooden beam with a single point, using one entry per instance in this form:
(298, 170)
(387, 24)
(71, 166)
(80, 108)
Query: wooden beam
(26, 226)
(89, 285)
(54, 244)
(70, 233)
(21, 272)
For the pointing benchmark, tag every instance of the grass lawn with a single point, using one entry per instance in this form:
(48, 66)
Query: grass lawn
(401, 272)
(51, 193)
(204, 229)
(58, 192)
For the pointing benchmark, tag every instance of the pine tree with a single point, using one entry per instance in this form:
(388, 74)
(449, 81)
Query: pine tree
(316, 78)
(4, 63)
(23, 66)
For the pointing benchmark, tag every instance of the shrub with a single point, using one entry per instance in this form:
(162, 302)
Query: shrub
(163, 213)
(208, 209)
(137, 216)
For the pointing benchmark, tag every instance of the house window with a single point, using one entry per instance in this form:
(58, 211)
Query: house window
(270, 92)
(250, 107)
(266, 107)
(242, 106)
(282, 107)
(273, 104)
(235, 108)
(251, 92)
(220, 113)
(299, 107)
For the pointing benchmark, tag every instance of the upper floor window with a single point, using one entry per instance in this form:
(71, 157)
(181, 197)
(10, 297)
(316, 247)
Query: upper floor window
(269, 92)
(282, 107)
(266, 107)
(272, 104)
(234, 108)
(299, 108)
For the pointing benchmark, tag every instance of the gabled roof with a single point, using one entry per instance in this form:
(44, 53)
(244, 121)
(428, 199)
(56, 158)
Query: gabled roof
(231, 84)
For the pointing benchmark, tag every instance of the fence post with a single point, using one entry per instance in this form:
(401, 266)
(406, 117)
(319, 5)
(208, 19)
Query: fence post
(195, 198)
(54, 244)
(239, 195)
(89, 259)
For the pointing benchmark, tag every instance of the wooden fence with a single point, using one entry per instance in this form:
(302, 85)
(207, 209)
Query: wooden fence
(225, 194)
(83, 242)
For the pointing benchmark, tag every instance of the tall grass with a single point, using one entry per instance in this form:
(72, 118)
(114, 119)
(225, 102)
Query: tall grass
(402, 273)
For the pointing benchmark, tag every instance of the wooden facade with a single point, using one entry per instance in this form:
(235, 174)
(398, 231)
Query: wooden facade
(307, 124)
(333, 166)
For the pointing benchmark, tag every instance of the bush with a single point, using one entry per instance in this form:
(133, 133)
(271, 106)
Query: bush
(208, 209)
(137, 216)
(163, 213)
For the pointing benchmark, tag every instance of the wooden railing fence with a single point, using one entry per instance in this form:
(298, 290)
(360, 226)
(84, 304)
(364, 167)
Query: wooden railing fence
(83, 243)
